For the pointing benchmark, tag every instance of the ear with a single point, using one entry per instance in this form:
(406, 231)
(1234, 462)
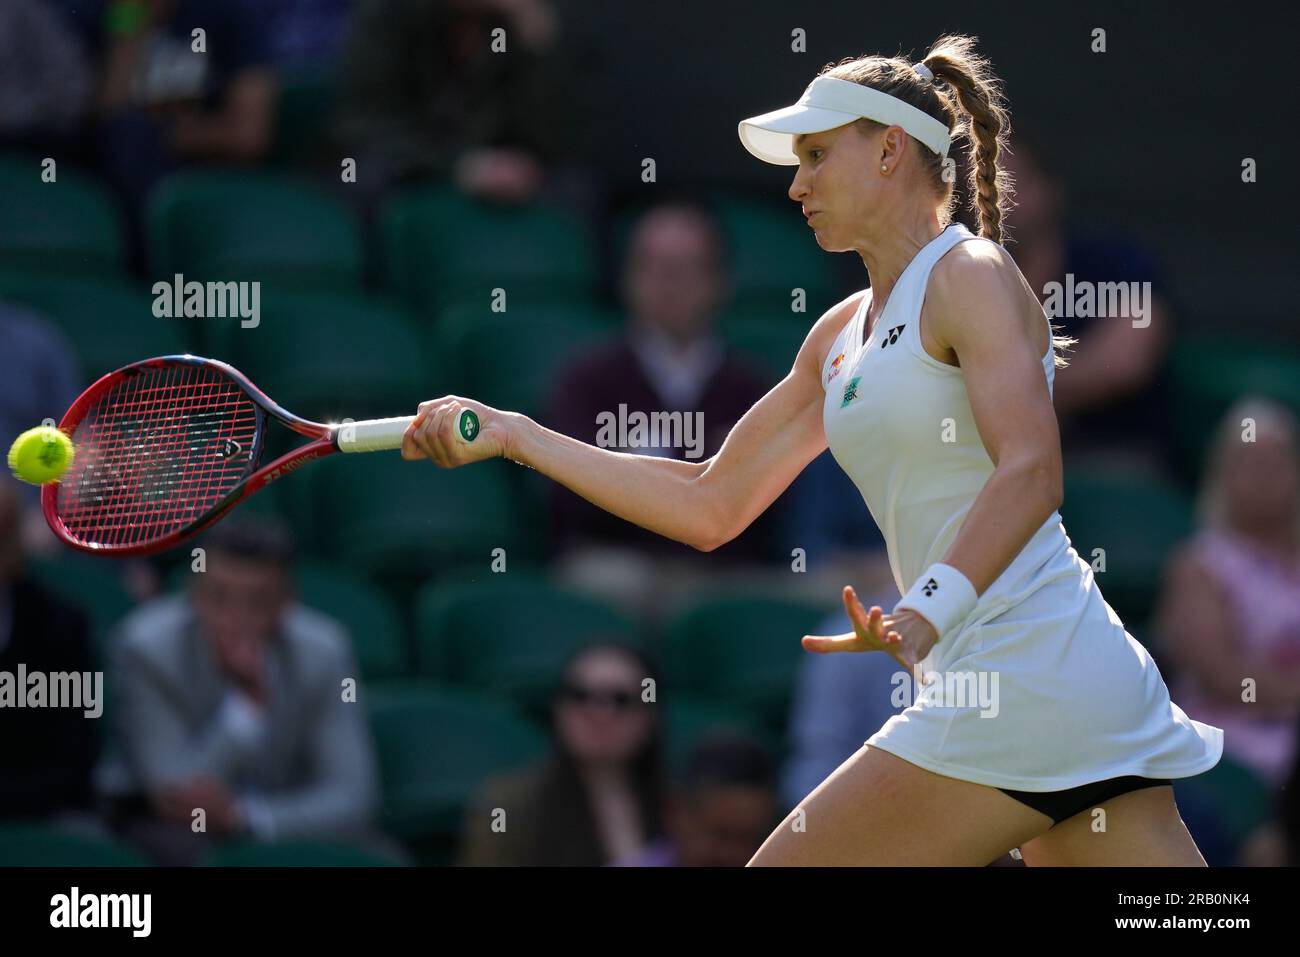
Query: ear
(892, 144)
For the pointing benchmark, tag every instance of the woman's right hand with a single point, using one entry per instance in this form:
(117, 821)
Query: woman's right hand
(432, 434)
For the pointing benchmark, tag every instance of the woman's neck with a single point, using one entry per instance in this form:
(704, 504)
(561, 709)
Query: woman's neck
(888, 255)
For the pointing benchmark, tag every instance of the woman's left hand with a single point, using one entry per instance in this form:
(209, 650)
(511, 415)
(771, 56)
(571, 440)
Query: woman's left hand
(906, 636)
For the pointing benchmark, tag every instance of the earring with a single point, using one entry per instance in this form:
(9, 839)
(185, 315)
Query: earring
(884, 168)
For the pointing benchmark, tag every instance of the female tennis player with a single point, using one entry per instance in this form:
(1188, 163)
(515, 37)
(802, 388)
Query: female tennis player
(933, 390)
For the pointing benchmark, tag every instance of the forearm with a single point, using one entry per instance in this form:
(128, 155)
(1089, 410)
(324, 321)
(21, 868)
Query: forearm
(1010, 508)
(658, 494)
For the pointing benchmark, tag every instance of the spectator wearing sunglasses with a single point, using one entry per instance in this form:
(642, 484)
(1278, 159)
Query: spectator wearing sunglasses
(596, 797)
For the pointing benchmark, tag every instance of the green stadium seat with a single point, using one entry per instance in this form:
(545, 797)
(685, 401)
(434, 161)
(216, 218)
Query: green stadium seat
(741, 649)
(299, 853)
(327, 357)
(772, 253)
(436, 747)
(71, 226)
(38, 844)
(771, 343)
(1239, 798)
(372, 622)
(510, 360)
(1137, 521)
(222, 226)
(1209, 374)
(441, 247)
(402, 520)
(689, 718)
(508, 634)
(110, 323)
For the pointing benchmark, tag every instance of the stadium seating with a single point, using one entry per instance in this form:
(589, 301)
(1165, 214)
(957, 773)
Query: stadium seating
(1137, 521)
(770, 342)
(689, 718)
(108, 322)
(38, 844)
(441, 247)
(508, 635)
(295, 854)
(333, 356)
(741, 649)
(68, 227)
(436, 747)
(221, 226)
(402, 520)
(773, 252)
(378, 640)
(509, 360)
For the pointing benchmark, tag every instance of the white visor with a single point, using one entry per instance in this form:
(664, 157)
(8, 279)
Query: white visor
(830, 102)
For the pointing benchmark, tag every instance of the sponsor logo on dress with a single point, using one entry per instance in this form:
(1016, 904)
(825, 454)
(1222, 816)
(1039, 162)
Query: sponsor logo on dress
(850, 390)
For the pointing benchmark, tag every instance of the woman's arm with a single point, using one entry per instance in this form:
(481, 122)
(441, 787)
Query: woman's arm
(704, 504)
(980, 306)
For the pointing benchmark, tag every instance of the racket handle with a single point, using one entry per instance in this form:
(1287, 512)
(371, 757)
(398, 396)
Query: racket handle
(381, 435)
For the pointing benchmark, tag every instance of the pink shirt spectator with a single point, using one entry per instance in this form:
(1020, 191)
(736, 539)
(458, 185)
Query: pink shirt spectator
(1266, 604)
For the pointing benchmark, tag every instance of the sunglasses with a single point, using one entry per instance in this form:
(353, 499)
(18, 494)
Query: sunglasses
(618, 699)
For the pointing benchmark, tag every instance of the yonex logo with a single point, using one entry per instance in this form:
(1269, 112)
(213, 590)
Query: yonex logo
(930, 587)
(892, 336)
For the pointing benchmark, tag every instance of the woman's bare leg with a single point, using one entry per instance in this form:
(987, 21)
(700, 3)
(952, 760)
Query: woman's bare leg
(877, 809)
(1137, 829)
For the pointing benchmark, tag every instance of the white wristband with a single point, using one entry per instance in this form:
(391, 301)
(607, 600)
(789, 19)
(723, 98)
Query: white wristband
(943, 596)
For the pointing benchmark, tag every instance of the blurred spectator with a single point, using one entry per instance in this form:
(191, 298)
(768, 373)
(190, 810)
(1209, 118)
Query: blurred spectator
(231, 699)
(597, 797)
(46, 753)
(167, 104)
(1112, 399)
(423, 93)
(1231, 608)
(720, 808)
(45, 77)
(670, 359)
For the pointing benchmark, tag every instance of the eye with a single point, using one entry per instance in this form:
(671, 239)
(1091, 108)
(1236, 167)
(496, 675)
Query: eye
(814, 152)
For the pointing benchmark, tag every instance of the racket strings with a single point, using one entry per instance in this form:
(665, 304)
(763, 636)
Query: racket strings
(155, 453)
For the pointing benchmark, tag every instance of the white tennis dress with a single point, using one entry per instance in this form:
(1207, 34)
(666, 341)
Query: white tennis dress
(1077, 698)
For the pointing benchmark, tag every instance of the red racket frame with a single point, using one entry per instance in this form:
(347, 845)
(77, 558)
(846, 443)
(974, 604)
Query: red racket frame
(325, 443)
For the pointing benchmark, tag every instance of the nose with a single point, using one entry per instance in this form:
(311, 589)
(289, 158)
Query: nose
(799, 186)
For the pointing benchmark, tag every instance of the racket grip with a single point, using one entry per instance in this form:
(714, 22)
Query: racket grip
(381, 435)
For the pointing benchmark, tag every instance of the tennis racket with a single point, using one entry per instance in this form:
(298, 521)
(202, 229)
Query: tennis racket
(167, 446)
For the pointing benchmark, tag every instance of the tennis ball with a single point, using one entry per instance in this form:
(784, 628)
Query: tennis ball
(40, 455)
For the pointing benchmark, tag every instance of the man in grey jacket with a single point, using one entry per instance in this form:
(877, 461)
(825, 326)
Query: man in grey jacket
(236, 710)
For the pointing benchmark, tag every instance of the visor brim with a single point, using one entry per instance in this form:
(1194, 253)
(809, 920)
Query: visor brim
(770, 136)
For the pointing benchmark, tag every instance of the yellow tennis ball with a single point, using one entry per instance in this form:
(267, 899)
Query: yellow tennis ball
(40, 455)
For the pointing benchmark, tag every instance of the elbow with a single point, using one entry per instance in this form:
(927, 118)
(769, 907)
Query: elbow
(713, 522)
